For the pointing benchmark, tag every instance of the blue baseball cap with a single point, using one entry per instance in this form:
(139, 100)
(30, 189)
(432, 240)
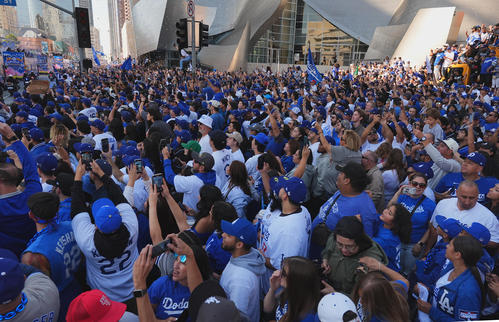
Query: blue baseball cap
(477, 158)
(98, 124)
(184, 135)
(242, 229)
(184, 125)
(261, 138)
(450, 226)
(36, 134)
(107, 217)
(22, 114)
(47, 163)
(83, 147)
(294, 187)
(56, 116)
(127, 116)
(105, 166)
(424, 168)
(11, 276)
(479, 232)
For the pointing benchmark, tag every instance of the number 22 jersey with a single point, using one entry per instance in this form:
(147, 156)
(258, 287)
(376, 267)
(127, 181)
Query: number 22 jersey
(112, 276)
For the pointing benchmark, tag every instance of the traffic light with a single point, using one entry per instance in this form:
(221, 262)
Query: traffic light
(182, 33)
(83, 27)
(203, 34)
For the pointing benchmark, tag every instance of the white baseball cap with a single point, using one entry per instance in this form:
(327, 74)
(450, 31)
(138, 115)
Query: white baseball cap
(333, 307)
(206, 120)
(451, 144)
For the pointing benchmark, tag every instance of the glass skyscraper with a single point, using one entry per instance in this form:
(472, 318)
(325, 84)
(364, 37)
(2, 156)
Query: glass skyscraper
(287, 40)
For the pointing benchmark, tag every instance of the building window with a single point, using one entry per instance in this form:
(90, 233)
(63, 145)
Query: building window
(288, 38)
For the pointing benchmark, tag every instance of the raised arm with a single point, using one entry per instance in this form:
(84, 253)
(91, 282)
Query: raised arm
(322, 138)
(370, 126)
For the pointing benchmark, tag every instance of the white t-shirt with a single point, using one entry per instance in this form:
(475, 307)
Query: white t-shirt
(238, 155)
(90, 112)
(314, 147)
(204, 142)
(448, 208)
(370, 146)
(441, 282)
(286, 236)
(113, 145)
(112, 276)
(251, 167)
(223, 159)
(189, 186)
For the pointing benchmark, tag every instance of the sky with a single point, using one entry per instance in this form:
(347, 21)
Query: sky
(101, 22)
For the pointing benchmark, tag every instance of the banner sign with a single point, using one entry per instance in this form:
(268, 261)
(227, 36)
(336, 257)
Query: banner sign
(58, 62)
(8, 3)
(42, 63)
(14, 63)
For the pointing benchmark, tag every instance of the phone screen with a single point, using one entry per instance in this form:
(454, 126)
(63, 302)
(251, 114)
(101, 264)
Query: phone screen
(138, 165)
(157, 180)
(105, 145)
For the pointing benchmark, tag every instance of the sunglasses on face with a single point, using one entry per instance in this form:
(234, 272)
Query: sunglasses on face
(183, 258)
(418, 184)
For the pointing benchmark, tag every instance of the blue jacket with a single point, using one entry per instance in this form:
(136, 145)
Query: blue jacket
(16, 228)
(460, 300)
(428, 271)
(39, 149)
(236, 197)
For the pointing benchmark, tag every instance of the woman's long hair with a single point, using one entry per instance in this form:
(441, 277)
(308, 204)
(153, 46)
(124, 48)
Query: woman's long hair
(395, 161)
(239, 177)
(208, 194)
(380, 299)
(402, 225)
(151, 150)
(471, 251)
(302, 292)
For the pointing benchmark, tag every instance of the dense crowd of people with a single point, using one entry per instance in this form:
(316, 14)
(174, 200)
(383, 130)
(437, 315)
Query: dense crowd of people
(154, 194)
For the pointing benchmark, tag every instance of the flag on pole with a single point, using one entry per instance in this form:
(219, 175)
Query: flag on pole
(96, 59)
(313, 73)
(356, 72)
(127, 64)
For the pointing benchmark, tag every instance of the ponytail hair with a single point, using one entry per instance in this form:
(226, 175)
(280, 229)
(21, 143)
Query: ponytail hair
(471, 251)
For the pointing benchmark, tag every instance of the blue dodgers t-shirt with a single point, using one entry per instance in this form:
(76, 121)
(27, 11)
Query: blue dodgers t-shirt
(171, 297)
(453, 179)
(287, 163)
(390, 244)
(421, 216)
(349, 206)
(217, 256)
(345, 206)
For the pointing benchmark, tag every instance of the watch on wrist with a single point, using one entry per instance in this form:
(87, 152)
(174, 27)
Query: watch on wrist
(423, 139)
(420, 243)
(139, 293)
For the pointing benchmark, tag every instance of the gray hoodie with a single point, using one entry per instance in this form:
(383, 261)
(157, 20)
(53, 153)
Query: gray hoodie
(241, 281)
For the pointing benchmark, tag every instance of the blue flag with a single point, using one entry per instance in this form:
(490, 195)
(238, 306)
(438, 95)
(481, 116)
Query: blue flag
(127, 64)
(313, 73)
(96, 59)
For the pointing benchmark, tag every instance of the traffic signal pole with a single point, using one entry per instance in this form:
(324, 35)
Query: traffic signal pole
(193, 44)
